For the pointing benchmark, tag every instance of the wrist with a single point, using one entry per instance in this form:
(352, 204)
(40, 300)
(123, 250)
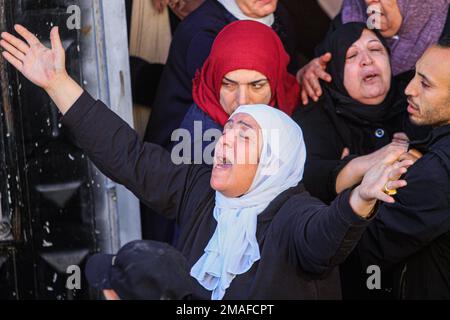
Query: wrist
(64, 92)
(362, 206)
(57, 83)
(361, 165)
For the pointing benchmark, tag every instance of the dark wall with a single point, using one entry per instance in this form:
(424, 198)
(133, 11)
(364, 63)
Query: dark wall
(45, 181)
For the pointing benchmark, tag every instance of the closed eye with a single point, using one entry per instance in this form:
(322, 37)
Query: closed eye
(425, 85)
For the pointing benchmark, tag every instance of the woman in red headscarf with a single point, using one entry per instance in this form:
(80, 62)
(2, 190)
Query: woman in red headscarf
(247, 65)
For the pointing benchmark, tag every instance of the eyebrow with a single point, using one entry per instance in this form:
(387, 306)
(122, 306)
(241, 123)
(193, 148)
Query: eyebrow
(425, 78)
(229, 121)
(252, 82)
(245, 124)
(240, 122)
(373, 40)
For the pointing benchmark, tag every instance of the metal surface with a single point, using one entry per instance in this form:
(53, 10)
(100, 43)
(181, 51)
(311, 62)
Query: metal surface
(56, 207)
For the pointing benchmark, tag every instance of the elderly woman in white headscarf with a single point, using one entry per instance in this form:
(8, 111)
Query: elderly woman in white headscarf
(249, 230)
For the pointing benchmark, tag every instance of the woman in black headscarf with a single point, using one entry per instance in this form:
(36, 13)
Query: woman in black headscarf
(354, 125)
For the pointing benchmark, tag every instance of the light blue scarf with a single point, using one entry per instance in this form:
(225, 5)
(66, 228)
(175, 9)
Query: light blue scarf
(233, 249)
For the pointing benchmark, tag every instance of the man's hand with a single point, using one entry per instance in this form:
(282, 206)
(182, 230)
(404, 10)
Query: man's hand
(39, 64)
(376, 180)
(400, 137)
(308, 77)
(388, 154)
(412, 155)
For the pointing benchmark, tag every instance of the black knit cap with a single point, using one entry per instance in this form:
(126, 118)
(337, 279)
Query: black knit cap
(142, 270)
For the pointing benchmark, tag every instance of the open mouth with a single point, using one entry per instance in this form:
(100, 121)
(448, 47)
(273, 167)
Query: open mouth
(370, 77)
(412, 108)
(223, 163)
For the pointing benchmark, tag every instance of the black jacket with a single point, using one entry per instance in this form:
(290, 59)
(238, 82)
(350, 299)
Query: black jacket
(301, 240)
(412, 236)
(190, 47)
(327, 133)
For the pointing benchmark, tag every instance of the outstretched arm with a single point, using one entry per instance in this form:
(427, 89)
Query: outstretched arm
(322, 236)
(146, 169)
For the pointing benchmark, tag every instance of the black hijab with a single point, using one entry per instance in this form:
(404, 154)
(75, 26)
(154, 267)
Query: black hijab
(343, 108)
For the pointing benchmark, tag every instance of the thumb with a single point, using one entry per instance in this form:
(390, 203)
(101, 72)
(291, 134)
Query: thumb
(56, 40)
(345, 153)
(400, 137)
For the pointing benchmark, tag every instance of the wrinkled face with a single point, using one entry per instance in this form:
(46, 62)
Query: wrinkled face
(237, 156)
(244, 87)
(367, 72)
(257, 8)
(429, 92)
(387, 14)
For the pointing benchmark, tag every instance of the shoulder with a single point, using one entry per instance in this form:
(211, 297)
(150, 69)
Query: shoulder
(316, 124)
(204, 22)
(313, 112)
(428, 182)
(432, 166)
(297, 206)
(196, 114)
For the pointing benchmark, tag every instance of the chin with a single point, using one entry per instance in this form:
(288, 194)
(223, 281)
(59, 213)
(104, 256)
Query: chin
(267, 8)
(414, 120)
(388, 33)
(418, 121)
(374, 97)
(215, 184)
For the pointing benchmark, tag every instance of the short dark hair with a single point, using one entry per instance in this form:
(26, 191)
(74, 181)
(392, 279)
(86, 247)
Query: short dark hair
(444, 41)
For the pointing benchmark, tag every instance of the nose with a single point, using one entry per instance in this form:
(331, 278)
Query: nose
(410, 90)
(242, 98)
(227, 139)
(366, 59)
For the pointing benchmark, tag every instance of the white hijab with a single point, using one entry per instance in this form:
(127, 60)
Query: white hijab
(233, 248)
(234, 9)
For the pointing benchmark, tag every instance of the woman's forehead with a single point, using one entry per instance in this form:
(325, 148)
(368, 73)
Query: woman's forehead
(248, 75)
(367, 36)
(244, 119)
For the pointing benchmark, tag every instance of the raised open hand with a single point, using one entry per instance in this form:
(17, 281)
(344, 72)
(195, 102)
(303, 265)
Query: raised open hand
(309, 77)
(39, 64)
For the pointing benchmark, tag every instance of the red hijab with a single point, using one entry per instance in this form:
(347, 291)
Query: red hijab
(246, 45)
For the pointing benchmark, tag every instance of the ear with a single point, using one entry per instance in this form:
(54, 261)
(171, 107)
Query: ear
(110, 295)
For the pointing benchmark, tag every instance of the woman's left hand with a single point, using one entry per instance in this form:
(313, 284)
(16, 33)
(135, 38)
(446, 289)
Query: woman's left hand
(374, 185)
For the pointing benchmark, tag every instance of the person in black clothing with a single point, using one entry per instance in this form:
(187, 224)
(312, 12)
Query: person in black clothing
(412, 236)
(141, 270)
(191, 45)
(352, 126)
(248, 228)
(311, 24)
